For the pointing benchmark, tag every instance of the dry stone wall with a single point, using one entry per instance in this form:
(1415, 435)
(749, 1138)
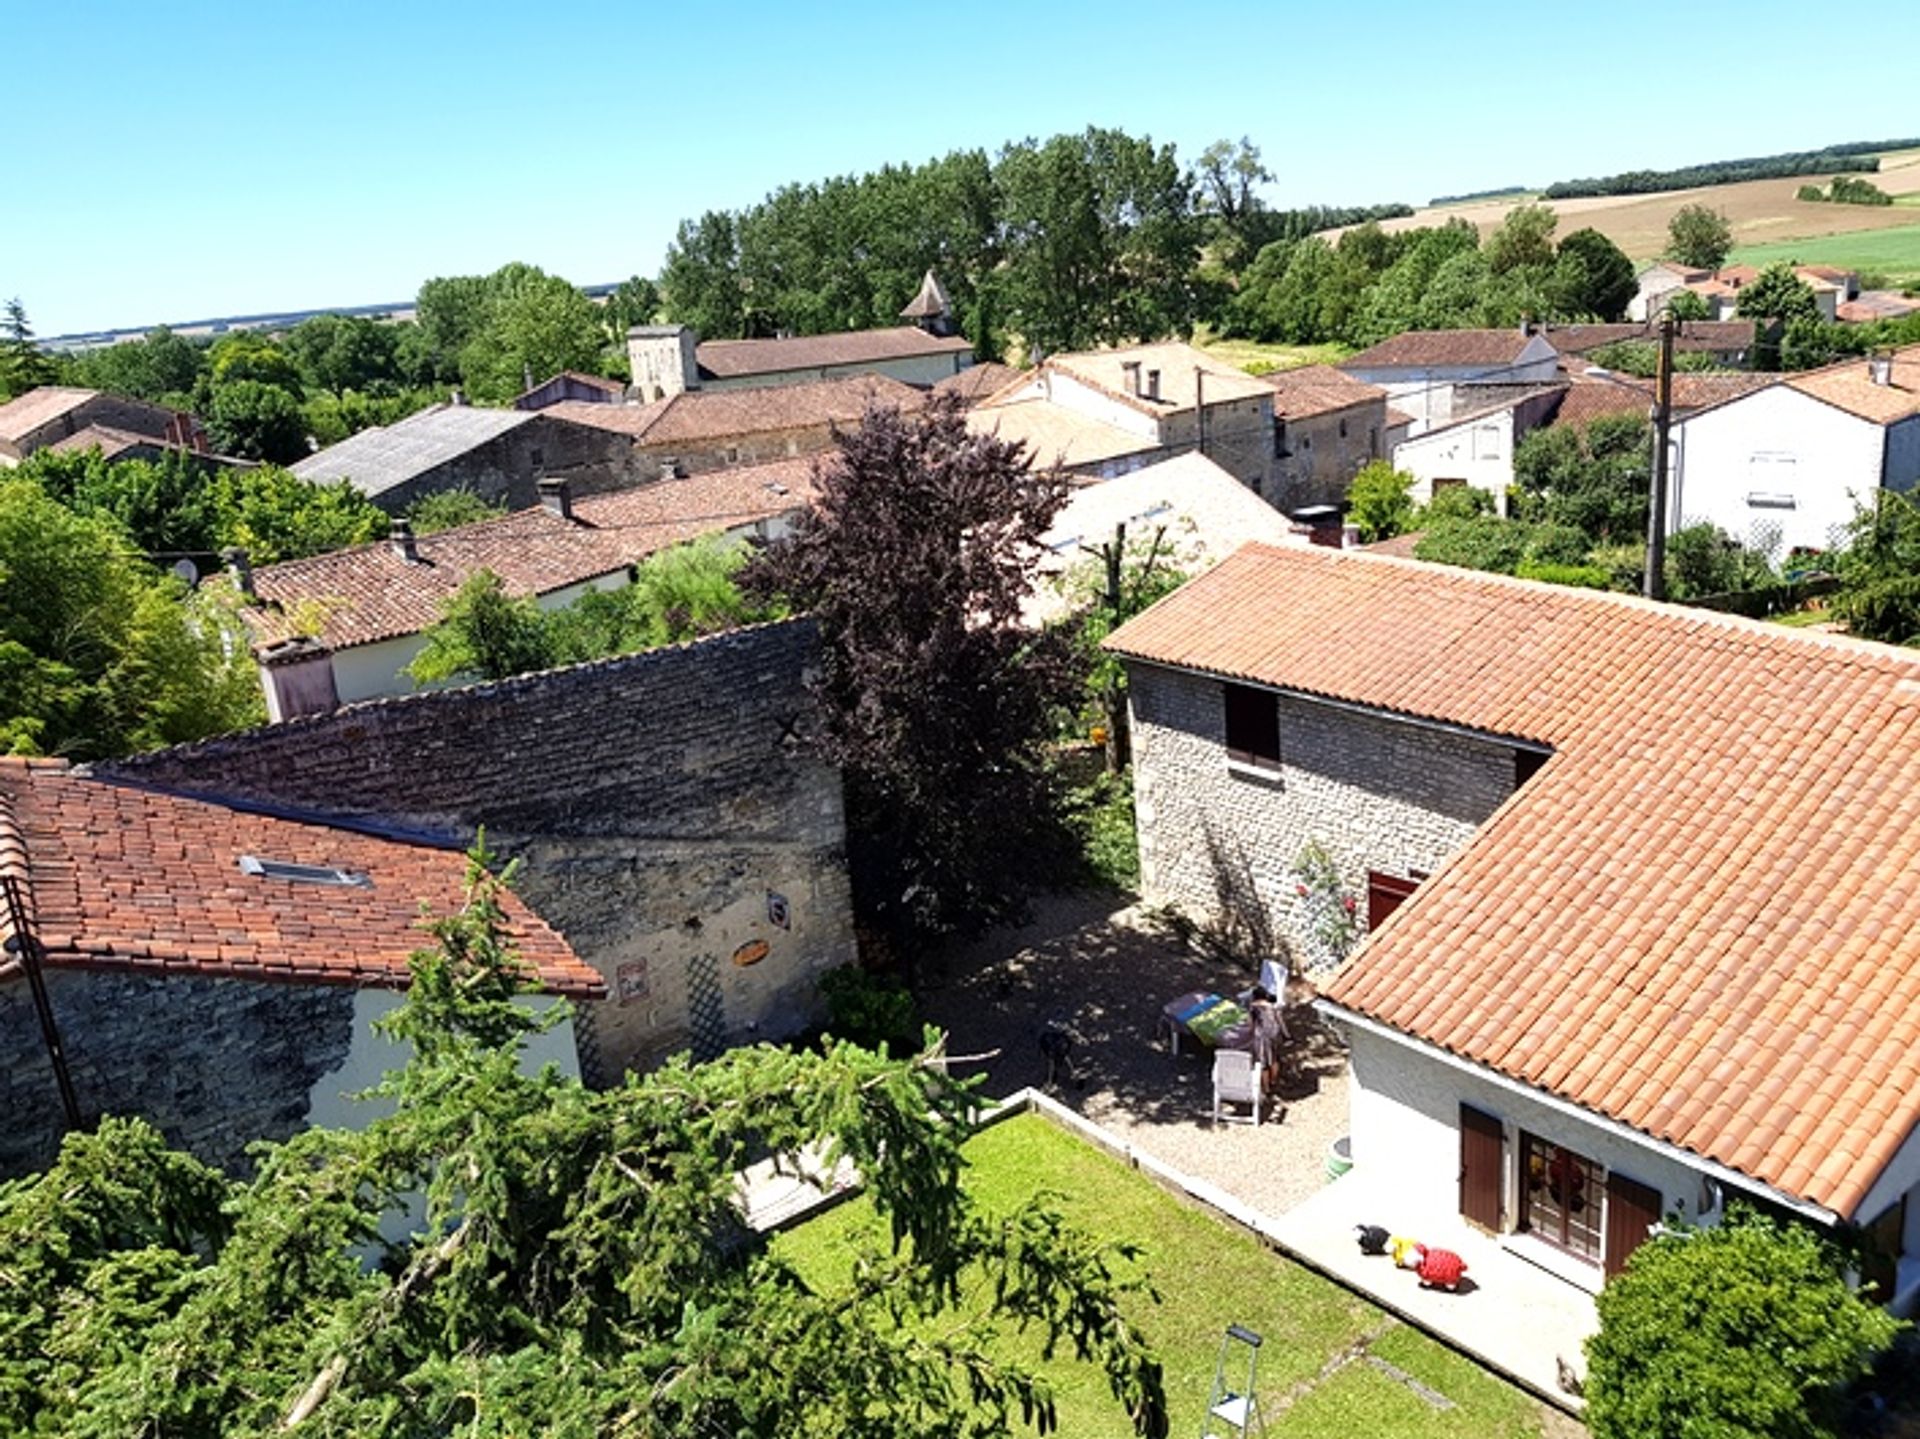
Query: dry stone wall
(671, 821)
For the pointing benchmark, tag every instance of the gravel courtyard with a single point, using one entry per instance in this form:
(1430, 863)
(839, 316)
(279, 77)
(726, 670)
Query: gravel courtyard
(1105, 971)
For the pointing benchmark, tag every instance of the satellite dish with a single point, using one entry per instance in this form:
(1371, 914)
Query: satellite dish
(188, 571)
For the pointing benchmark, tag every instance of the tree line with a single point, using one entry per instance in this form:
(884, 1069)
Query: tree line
(1853, 155)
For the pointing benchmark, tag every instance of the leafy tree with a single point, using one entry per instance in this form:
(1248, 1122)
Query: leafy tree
(530, 323)
(1523, 240)
(1460, 294)
(1453, 502)
(448, 510)
(937, 703)
(23, 365)
(700, 283)
(1747, 1328)
(101, 654)
(163, 368)
(1100, 240)
(254, 420)
(1380, 502)
(275, 515)
(678, 594)
(484, 634)
(1394, 302)
(561, 1262)
(339, 353)
(1225, 181)
(165, 506)
(1778, 295)
(248, 355)
(330, 418)
(1704, 560)
(1593, 276)
(1685, 305)
(1594, 480)
(1879, 572)
(449, 311)
(1478, 542)
(635, 302)
(1699, 236)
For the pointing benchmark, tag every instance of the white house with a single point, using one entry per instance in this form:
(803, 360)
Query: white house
(340, 627)
(1641, 930)
(1420, 369)
(1788, 466)
(1475, 448)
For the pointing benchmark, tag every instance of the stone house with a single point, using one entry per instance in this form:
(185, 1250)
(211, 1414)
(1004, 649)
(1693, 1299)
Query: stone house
(1787, 466)
(340, 627)
(1104, 413)
(669, 360)
(1421, 369)
(55, 413)
(671, 822)
(214, 970)
(695, 431)
(1327, 427)
(1638, 920)
(499, 455)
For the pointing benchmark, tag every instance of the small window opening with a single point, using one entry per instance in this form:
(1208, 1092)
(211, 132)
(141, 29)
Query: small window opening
(302, 873)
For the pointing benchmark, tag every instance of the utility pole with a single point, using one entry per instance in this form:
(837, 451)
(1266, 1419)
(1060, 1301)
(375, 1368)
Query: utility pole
(1200, 405)
(26, 948)
(1655, 587)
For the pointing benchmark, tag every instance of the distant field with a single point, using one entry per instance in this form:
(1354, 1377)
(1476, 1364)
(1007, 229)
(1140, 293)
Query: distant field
(1762, 212)
(1893, 253)
(1243, 353)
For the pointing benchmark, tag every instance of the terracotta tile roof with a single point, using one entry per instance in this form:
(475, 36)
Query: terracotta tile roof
(1700, 918)
(1419, 348)
(129, 879)
(1848, 385)
(1103, 370)
(369, 593)
(1599, 393)
(1712, 336)
(710, 415)
(108, 441)
(1876, 305)
(1318, 390)
(733, 359)
(976, 382)
(24, 414)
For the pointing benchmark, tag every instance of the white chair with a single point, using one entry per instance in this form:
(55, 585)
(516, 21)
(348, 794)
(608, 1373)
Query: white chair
(1235, 1081)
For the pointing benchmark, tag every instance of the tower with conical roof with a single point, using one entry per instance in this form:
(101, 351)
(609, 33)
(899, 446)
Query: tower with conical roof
(931, 310)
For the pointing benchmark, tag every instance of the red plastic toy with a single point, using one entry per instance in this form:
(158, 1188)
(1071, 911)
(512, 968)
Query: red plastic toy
(1441, 1268)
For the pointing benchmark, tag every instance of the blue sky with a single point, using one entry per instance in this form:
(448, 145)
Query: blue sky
(171, 161)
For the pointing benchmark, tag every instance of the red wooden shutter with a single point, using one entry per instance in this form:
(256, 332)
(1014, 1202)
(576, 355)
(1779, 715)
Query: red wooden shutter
(1384, 895)
(1632, 1209)
(1483, 1148)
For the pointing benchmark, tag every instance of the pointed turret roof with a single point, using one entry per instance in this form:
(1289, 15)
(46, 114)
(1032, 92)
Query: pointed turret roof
(930, 304)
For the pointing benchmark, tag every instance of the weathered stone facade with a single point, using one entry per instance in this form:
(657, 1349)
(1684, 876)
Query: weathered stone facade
(1315, 457)
(673, 824)
(214, 1063)
(1220, 841)
(507, 470)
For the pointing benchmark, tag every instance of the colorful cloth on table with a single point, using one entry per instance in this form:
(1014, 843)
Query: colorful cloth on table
(1211, 1023)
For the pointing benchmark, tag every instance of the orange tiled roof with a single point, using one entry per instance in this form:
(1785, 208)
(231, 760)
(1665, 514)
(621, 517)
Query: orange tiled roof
(731, 359)
(1318, 390)
(124, 878)
(1849, 385)
(1701, 917)
(369, 593)
(702, 416)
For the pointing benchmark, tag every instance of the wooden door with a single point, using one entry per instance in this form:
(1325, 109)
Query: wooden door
(1632, 1209)
(1483, 1151)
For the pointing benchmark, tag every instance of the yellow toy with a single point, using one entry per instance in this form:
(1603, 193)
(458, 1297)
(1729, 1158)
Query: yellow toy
(1405, 1252)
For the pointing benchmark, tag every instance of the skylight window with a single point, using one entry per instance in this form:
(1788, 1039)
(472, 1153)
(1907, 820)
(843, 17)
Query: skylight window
(303, 873)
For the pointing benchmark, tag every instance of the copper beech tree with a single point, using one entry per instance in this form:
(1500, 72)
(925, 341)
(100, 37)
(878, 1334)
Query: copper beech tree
(506, 1254)
(937, 703)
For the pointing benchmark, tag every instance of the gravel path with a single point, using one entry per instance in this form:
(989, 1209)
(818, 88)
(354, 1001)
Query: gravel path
(1106, 972)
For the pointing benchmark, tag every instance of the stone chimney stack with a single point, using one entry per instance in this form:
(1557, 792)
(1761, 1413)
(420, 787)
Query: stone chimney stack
(556, 498)
(1130, 371)
(400, 535)
(1880, 369)
(670, 468)
(457, 398)
(235, 559)
(1153, 384)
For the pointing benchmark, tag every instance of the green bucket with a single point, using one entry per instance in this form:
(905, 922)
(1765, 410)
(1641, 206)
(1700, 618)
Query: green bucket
(1339, 1157)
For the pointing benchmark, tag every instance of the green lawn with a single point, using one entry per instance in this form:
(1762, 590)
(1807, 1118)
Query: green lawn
(1894, 253)
(1246, 353)
(1331, 1361)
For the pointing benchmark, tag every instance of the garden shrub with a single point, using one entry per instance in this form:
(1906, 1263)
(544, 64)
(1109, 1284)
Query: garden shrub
(870, 1009)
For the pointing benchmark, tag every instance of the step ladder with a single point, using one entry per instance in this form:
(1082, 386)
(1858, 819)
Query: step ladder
(1234, 1414)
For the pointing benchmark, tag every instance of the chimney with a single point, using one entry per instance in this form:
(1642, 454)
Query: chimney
(235, 559)
(1130, 376)
(457, 397)
(670, 467)
(1880, 369)
(401, 537)
(1153, 384)
(556, 498)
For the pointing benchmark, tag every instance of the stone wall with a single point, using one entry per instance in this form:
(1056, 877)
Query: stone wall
(673, 824)
(724, 452)
(508, 469)
(1323, 454)
(1379, 793)
(214, 1063)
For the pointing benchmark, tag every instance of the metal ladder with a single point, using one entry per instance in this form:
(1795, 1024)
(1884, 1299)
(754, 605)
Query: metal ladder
(1238, 1411)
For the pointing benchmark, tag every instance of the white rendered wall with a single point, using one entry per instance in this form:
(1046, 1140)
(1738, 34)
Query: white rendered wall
(1478, 451)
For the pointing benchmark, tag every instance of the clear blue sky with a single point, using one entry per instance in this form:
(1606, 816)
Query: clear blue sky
(171, 161)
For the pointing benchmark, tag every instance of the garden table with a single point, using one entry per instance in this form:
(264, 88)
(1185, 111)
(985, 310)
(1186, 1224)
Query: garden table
(1217, 1022)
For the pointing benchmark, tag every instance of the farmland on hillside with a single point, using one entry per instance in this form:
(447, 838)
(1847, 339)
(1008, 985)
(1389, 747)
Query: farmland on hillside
(1893, 253)
(1763, 212)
